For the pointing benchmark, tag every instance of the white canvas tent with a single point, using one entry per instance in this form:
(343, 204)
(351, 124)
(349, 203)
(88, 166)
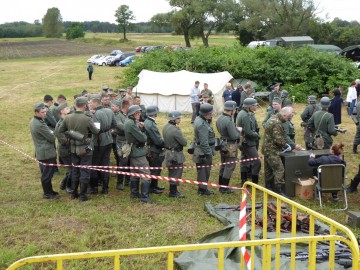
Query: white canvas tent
(170, 91)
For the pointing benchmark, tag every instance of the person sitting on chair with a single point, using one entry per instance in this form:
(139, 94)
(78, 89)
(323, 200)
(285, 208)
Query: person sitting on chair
(335, 157)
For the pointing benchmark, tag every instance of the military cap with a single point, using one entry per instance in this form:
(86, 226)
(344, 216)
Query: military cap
(116, 102)
(276, 100)
(105, 88)
(38, 106)
(80, 101)
(60, 107)
(248, 102)
(278, 84)
(284, 93)
(174, 115)
(205, 109)
(95, 96)
(205, 96)
(230, 105)
(311, 98)
(84, 92)
(325, 102)
(152, 110)
(133, 109)
(121, 90)
(113, 95)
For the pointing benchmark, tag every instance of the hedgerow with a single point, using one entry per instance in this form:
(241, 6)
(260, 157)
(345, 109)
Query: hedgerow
(303, 71)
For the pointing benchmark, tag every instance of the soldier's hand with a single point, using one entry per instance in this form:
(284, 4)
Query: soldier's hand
(141, 124)
(298, 147)
(239, 129)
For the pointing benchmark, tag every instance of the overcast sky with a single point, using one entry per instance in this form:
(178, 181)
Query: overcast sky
(104, 10)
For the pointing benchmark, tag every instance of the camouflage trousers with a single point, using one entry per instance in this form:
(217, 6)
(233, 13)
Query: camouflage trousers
(274, 169)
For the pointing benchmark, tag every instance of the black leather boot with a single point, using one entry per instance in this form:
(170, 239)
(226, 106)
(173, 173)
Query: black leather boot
(154, 187)
(255, 179)
(120, 181)
(355, 149)
(83, 190)
(127, 180)
(280, 189)
(64, 181)
(105, 186)
(48, 191)
(174, 193)
(145, 192)
(93, 186)
(243, 177)
(68, 185)
(269, 184)
(134, 188)
(353, 185)
(74, 187)
(225, 182)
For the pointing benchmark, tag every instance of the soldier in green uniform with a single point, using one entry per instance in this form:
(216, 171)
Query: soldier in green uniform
(80, 146)
(205, 146)
(246, 93)
(60, 100)
(120, 109)
(285, 101)
(155, 147)
(275, 93)
(322, 122)
(137, 101)
(135, 135)
(290, 132)
(208, 92)
(174, 157)
(276, 107)
(105, 118)
(229, 140)
(249, 147)
(357, 135)
(305, 116)
(63, 147)
(274, 144)
(44, 142)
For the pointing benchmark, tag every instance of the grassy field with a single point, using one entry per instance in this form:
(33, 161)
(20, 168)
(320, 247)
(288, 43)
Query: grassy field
(32, 226)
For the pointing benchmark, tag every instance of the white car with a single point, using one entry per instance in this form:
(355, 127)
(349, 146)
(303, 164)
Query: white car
(93, 58)
(102, 61)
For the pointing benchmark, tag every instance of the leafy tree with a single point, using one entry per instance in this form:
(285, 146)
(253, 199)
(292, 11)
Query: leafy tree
(76, 30)
(124, 16)
(52, 23)
(269, 19)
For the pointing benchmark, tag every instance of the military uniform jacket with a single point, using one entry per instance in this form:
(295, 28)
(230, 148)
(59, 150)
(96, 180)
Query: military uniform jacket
(323, 125)
(274, 140)
(80, 122)
(245, 95)
(247, 121)
(274, 94)
(63, 147)
(44, 139)
(309, 111)
(174, 139)
(55, 113)
(120, 118)
(267, 117)
(204, 135)
(107, 121)
(285, 102)
(154, 139)
(226, 128)
(289, 133)
(136, 136)
(50, 119)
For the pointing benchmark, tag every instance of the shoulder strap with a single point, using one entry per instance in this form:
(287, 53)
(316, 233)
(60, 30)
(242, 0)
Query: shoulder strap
(320, 122)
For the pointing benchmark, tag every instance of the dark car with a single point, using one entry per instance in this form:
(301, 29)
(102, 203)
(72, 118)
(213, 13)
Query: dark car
(353, 53)
(116, 60)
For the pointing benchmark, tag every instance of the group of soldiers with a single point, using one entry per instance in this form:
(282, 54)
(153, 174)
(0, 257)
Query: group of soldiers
(99, 124)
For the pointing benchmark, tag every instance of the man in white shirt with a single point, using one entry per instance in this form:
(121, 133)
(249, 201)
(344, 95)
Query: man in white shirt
(195, 101)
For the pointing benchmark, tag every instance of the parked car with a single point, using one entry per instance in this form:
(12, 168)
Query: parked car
(353, 53)
(115, 61)
(116, 52)
(93, 58)
(128, 60)
(143, 48)
(103, 61)
(153, 48)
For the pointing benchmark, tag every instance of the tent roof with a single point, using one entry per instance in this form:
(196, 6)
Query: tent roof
(179, 82)
(325, 47)
(296, 38)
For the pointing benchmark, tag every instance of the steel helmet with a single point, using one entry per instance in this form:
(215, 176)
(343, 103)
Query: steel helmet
(174, 115)
(230, 105)
(133, 109)
(325, 102)
(284, 93)
(248, 102)
(152, 110)
(206, 108)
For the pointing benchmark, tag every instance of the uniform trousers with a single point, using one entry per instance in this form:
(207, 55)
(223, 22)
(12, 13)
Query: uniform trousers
(254, 165)
(81, 175)
(175, 173)
(203, 174)
(227, 170)
(274, 169)
(47, 173)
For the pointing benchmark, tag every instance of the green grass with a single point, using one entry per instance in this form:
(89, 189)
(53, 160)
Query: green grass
(33, 226)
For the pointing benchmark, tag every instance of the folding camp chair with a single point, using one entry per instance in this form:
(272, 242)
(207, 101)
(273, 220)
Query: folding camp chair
(331, 178)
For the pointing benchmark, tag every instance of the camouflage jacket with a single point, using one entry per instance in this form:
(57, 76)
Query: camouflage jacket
(274, 138)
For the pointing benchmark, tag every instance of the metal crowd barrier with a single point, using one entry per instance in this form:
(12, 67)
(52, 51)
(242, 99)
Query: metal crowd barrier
(338, 234)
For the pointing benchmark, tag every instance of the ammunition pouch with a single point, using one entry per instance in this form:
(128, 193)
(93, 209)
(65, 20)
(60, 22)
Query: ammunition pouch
(198, 155)
(303, 124)
(229, 149)
(82, 150)
(191, 148)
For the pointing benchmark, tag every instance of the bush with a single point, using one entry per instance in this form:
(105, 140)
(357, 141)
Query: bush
(303, 71)
(76, 30)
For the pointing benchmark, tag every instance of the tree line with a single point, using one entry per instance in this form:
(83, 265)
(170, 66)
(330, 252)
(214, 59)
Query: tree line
(248, 20)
